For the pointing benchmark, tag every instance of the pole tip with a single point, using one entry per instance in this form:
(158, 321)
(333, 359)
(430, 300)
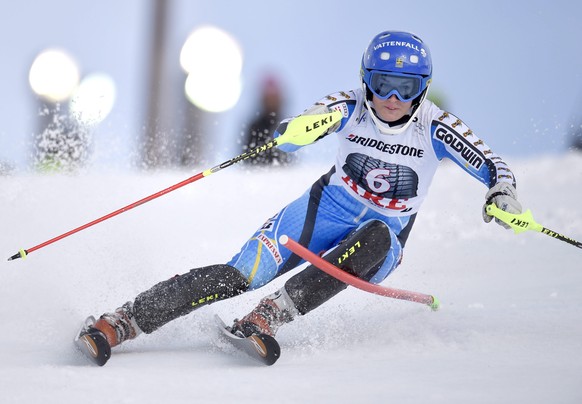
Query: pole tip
(20, 254)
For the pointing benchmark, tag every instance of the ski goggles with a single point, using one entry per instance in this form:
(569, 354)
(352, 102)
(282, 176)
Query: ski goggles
(405, 86)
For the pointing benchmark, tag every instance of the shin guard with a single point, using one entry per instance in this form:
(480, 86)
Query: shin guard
(181, 294)
(361, 253)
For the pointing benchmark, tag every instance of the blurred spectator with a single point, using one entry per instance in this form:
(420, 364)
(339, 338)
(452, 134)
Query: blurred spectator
(260, 130)
(576, 136)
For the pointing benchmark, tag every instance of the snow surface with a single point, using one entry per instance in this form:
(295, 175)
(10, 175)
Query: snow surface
(509, 330)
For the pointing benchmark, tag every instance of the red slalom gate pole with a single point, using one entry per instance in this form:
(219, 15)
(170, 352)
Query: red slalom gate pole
(354, 281)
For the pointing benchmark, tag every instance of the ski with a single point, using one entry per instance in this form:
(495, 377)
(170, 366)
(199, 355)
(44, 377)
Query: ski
(92, 343)
(262, 347)
(94, 346)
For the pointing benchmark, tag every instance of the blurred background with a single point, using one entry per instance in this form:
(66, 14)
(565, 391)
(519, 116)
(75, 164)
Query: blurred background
(158, 84)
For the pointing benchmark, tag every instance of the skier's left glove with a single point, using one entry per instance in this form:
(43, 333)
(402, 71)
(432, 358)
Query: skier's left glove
(504, 196)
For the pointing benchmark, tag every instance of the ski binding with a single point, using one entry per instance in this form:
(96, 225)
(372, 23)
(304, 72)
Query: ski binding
(262, 347)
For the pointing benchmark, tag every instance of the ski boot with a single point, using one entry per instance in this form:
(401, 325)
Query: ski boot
(271, 313)
(96, 338)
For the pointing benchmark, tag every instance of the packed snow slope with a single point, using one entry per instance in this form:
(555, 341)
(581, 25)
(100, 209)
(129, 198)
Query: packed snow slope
(509, 330)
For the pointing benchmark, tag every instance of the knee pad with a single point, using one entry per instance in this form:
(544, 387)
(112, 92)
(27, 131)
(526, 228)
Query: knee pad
(181, 294)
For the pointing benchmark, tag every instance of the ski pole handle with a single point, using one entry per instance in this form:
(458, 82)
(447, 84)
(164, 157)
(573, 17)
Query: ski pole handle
(525, 221)
(306, 129)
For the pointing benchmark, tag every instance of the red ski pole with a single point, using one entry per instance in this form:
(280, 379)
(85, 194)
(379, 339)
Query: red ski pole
(354, 281)
(302, 130)
(23, 253)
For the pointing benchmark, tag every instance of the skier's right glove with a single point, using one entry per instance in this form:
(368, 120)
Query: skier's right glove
(504, 196)
(316, 109)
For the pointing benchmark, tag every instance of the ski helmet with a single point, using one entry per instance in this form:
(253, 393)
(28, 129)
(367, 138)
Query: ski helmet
(396, 63)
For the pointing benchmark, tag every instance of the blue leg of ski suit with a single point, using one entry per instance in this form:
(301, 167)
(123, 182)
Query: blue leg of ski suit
(319, 220)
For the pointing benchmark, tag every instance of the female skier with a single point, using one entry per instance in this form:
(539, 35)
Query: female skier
(391, 140)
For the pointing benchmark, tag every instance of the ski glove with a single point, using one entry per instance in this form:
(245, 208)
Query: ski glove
(313, 110)
(322, 109)
(504, 196)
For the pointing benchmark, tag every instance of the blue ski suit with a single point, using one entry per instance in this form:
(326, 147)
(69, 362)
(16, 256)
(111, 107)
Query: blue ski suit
(376, 176)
